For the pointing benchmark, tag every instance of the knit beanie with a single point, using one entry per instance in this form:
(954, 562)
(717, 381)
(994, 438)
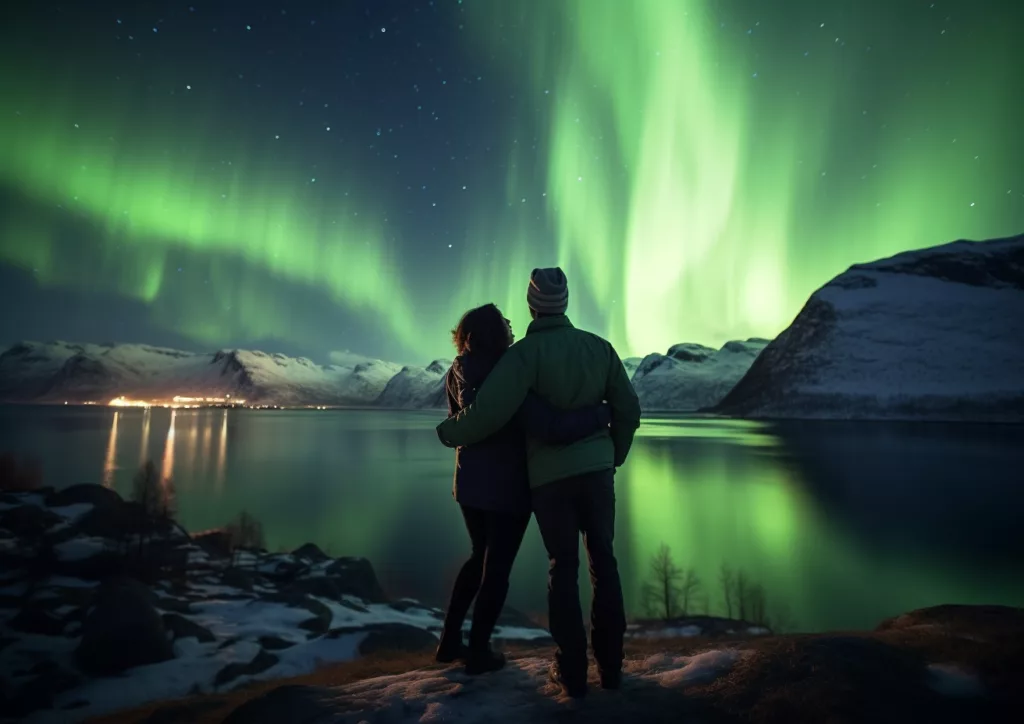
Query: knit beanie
(548, 292)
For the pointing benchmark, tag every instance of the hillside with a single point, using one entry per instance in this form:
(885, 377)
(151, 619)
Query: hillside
(931, 334)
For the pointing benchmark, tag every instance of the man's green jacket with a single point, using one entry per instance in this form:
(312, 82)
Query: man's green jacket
(569, 368)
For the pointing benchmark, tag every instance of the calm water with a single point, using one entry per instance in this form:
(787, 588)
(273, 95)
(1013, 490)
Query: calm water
(842, 523)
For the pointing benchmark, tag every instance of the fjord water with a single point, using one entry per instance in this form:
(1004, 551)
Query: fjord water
(842, 523)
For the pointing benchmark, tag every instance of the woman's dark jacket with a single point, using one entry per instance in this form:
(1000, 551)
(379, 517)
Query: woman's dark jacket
(491, 475)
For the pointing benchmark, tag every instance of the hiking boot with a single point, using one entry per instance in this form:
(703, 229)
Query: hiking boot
(574, 689)
(485, 661)
(450, 649)
(611, 679)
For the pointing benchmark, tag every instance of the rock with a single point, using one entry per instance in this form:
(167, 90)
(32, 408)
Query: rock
(39, 692)
(321, 620)
(104, 564)
(311, 552)
(217, 543)
(261, 662)
(356, 578)
(322, 616)
(182, 627)
(511, 617)
(95, 495)
(28, 521)
(322, 586)
(111, 520)
(123, 630)
(238, 578)
(285, 704)
(274, 643)
(393, 637)
(35, 620)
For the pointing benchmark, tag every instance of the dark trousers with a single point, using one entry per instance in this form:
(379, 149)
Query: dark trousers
(564, 509)
(496, 538)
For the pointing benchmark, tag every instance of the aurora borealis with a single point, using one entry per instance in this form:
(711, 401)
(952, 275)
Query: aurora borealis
(314, 176)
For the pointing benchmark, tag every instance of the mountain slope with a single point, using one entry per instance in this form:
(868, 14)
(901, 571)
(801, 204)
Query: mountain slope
(931, 334)
(417, 387)
(692, 376)
(59, 371)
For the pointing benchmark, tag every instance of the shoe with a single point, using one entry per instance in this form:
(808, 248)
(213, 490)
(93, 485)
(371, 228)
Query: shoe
(611, 679)
(572, 689)
(450, 649)
(484, 662)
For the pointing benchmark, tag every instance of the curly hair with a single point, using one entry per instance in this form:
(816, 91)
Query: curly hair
(482, 329)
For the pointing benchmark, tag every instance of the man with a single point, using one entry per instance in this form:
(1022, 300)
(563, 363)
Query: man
(572, 486)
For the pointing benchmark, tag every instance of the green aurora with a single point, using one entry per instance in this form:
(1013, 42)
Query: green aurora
(697, 181)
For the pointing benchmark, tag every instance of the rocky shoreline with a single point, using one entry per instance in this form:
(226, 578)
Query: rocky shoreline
(82, 611)
(96, 594)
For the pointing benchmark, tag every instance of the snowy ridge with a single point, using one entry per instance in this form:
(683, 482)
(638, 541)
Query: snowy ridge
(59, 371)
(930, 334)
(691, 376)
(54, 372)
(417, 387)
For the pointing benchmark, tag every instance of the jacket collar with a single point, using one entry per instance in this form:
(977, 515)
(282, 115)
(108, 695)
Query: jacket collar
(543, 324)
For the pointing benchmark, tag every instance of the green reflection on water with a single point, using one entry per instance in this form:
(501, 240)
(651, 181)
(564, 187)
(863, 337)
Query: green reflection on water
(377, 484)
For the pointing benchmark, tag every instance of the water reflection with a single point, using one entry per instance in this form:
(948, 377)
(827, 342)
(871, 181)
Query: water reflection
(144, 446)
(110, 461)
(167, 469)
(842, 524)
(222, 451)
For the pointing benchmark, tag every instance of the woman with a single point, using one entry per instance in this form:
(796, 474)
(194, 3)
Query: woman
(492, 488)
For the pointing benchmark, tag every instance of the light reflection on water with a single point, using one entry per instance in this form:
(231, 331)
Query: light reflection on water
(842, 524)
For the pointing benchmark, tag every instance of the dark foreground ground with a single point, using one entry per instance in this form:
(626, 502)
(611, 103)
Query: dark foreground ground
(945, 664)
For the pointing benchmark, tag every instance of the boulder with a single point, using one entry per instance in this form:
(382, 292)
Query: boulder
(123, 630)
(311, 552)
(28, 521)
(181, 627)
(46, 679)
(394, 637)
(216, 543)
(238, 578)
(90, 493)
(261, 662)
(35, 620)
(356, 577)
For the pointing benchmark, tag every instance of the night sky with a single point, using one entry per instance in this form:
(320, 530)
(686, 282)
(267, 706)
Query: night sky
(316, 176)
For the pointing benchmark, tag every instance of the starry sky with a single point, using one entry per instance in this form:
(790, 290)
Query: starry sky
(316, 176)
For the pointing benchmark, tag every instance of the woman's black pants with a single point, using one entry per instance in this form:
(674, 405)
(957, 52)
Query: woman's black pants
(496, 537)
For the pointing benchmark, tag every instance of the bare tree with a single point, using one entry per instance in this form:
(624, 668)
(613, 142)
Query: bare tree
(661, 593)
(244, 533)
(726, 580)
(156, 500)
(670, 591)
(688, 591)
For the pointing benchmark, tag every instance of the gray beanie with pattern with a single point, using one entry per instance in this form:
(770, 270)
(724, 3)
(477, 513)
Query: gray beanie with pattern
(548, 292)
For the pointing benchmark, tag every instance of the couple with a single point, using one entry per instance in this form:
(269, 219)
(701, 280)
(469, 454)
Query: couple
(539, 426)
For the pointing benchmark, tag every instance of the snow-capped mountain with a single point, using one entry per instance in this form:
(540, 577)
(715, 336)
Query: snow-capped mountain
(931, 334)
(417, 387)
(58, 371)
(691, 376)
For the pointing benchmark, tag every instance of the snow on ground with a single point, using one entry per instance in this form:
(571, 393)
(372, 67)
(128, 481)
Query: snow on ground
(80, 548)
(521, 692)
